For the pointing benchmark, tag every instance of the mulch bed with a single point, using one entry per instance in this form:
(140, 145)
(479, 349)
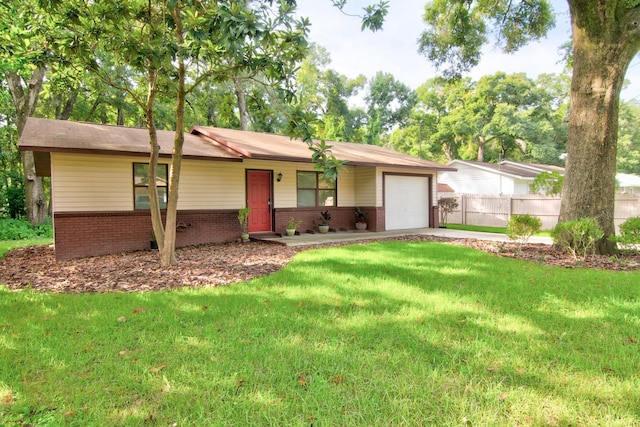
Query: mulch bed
(223, 264)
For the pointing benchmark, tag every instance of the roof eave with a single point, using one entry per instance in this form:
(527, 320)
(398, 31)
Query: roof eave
(38, 149)
(353, 163)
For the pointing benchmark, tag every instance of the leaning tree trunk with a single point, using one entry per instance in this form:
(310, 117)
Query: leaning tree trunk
(168, 253)
(156, 215)
(601, 55)
(25, 98)
(63, 112)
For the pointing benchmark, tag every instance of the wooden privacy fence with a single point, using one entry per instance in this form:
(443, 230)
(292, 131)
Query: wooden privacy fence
(495, 210)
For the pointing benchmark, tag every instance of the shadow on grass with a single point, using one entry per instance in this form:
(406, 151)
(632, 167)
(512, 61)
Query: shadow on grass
(382, 333)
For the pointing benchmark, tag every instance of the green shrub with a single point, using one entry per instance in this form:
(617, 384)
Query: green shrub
(630, 232)
(19, 229)
(446, 206)
(522, 227)
(577, 237)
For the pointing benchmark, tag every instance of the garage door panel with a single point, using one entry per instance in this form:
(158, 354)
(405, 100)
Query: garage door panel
(406, 202)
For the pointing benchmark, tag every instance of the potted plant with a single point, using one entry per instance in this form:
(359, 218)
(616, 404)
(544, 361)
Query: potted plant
(323, 227)
(243, 218)
(361, 219)
(292, 225)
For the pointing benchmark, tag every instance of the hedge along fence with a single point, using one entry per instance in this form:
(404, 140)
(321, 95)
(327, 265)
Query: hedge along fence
(495, 210)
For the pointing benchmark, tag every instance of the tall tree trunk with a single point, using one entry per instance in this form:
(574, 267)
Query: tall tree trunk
(211, 117)
(156, 215)
(25, 98)
(94, 107)
(64, 112)
(482, 143)
(448, 152)
(168, 252)
(242, 105)
(601, 57)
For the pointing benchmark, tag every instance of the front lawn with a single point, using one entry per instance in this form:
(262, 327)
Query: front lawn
(487, 229)
(7, 245)
(481, 228)
(378, 334)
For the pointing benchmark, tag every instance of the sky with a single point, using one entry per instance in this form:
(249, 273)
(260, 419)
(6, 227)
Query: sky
(395, 48)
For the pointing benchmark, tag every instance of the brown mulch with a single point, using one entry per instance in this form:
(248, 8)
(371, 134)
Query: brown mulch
(222, 264)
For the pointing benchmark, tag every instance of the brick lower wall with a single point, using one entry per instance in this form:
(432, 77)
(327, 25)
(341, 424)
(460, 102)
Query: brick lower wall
(434, 221)
(80, 234)
(341, 218)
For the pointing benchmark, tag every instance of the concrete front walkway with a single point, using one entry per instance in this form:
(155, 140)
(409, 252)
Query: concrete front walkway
(307, 239)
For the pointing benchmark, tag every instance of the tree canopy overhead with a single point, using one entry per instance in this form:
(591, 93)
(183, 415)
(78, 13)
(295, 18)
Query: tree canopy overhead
(458, 29)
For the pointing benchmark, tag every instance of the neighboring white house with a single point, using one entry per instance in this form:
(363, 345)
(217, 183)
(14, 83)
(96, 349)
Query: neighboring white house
(628, 184)
(506, 177)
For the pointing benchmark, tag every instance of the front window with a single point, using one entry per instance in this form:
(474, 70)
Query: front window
(141, 185)
(314, 190)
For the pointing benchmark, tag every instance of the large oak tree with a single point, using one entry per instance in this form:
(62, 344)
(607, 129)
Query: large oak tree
(24, 57)
(606, 37)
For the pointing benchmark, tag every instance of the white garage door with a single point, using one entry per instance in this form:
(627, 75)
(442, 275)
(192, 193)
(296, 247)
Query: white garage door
(406, 202)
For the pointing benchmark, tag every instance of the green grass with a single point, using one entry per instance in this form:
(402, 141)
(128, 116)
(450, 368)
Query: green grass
(379, 334)
(482, 228)
(7, 245)
(487, 229)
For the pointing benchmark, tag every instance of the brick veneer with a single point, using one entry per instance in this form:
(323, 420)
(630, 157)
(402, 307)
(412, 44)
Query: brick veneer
(434, 221)
(341, 218)
(80, 234)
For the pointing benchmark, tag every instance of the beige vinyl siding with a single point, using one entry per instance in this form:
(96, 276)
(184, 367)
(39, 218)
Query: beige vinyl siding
(211, 185)
(84, 182)
(90, 182)
(347, 186)
(365, 182)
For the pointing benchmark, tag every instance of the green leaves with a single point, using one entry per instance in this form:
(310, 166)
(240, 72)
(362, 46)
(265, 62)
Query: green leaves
(630, 4)
(374, 16)
(549, 183)
(301, 126)
(457, 30)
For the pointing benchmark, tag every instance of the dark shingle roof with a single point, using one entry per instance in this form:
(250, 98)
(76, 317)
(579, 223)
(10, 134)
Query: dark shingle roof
(264, 146)
(45, 135)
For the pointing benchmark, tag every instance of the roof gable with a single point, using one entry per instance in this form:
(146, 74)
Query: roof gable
(265, 146)
(46, 135)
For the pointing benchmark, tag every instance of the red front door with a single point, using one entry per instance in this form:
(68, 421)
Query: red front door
(259, 200)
